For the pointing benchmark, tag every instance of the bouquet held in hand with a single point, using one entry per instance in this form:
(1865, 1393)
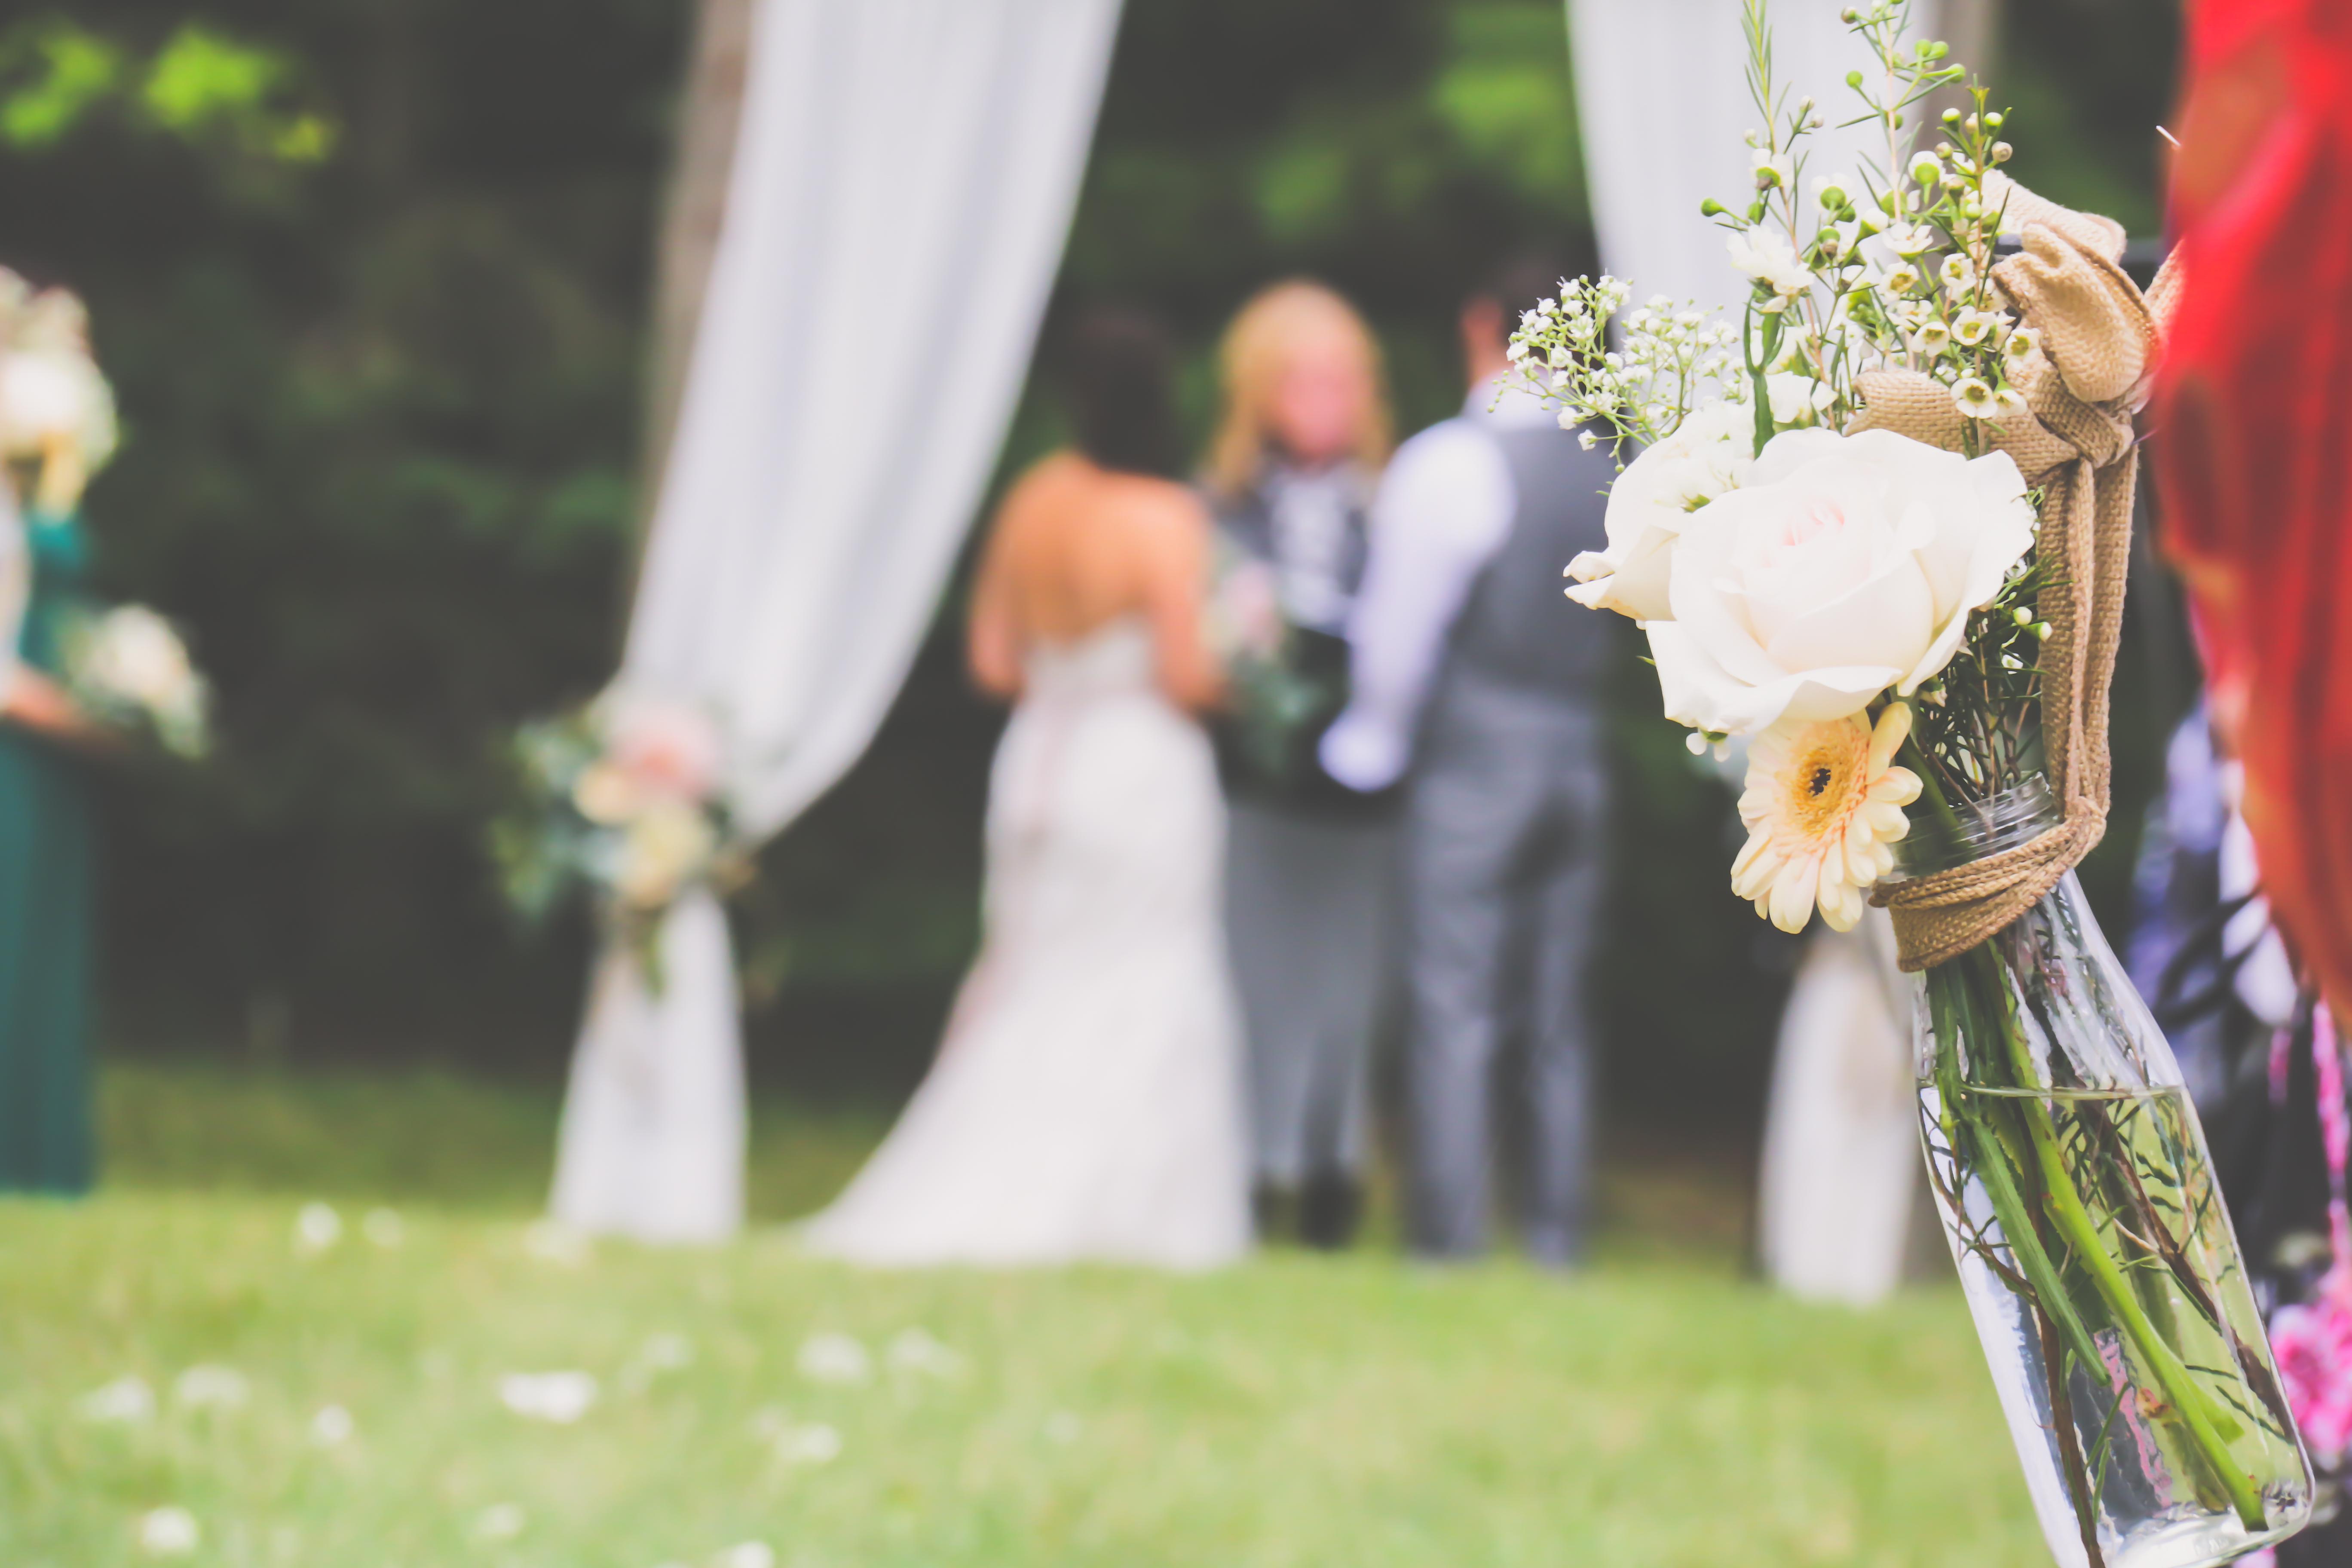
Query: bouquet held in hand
(127, 667)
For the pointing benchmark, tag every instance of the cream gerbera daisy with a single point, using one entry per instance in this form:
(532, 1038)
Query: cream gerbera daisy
(1823, 806)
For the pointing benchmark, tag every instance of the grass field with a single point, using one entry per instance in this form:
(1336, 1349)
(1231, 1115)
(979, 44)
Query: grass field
(752, 1407)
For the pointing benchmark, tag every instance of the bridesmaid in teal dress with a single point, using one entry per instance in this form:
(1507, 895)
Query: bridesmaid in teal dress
(46, 856)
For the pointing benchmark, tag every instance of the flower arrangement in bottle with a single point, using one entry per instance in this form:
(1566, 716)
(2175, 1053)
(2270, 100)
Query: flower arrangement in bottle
(1878, 526)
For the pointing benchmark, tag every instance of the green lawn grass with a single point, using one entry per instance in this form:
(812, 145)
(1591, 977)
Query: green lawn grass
(1346, 1413)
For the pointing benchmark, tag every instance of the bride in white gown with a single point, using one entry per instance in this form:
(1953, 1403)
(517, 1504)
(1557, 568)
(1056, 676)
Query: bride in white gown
(1085, 1103)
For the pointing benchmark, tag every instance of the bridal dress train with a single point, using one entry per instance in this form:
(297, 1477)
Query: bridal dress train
(1086, 1101)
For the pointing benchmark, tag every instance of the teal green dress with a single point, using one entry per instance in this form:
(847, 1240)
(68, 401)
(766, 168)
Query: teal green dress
(47, 867)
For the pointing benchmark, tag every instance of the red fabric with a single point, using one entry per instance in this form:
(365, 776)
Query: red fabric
(2253, 449)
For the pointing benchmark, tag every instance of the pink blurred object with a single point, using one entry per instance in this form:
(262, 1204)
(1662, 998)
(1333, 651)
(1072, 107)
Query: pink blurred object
(2314, 1340)
(664, 747)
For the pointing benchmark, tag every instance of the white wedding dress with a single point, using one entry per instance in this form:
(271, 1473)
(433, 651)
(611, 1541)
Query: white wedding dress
(1086, 1101)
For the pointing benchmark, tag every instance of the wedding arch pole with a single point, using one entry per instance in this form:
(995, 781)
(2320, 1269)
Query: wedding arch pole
(901, 190)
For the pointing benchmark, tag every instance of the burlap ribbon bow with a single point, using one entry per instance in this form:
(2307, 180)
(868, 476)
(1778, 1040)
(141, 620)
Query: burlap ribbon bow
(2098, 342)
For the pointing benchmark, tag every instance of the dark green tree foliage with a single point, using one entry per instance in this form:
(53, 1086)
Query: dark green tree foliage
(379, 416)
(373, 292)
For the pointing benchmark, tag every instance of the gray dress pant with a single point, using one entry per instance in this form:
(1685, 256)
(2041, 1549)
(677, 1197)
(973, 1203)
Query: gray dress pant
(1505, 826)
(1309, 915)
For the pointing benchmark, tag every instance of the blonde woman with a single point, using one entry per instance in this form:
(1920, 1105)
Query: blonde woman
(1309, 875)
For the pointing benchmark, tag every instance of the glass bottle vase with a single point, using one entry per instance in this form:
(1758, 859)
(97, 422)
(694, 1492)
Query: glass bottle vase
(2096, 1255)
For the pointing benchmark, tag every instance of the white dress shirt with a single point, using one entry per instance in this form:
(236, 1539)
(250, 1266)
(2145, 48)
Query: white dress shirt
(1444, 507)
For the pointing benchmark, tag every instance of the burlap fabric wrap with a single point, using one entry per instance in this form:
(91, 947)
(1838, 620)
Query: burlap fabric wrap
(2098, 341)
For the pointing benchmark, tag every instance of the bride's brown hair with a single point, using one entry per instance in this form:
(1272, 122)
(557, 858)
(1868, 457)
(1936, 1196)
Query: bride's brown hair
(1250, 360)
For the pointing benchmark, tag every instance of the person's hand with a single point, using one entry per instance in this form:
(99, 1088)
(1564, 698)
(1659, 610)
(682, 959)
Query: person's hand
(40, 704)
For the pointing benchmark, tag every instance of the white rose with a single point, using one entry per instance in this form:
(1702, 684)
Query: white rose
(1843, 565)
(1652, 502)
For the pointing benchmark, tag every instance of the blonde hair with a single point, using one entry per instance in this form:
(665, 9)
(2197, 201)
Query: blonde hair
(1251, 361)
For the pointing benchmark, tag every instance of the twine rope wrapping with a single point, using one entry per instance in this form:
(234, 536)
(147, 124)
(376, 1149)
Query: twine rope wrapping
(2098, 342)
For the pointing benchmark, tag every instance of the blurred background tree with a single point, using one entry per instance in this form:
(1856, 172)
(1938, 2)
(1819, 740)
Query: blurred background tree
(372, 278)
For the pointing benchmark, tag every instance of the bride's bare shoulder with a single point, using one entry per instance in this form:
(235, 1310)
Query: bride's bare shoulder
(1066, 488)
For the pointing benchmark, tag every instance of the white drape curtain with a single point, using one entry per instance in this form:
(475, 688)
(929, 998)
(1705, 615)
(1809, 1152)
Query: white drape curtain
(1662, 99)
(901, 190)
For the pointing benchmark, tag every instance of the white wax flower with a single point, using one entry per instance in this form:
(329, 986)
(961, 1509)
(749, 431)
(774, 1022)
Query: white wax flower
(1910, 240)
(1843, 565)
(1797, 399)
(1651, 503)
(1772, 168)
(1769, 259)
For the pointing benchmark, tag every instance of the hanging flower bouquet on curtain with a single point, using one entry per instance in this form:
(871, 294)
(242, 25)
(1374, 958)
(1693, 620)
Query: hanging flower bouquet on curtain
(621, 800)
(1880, 525)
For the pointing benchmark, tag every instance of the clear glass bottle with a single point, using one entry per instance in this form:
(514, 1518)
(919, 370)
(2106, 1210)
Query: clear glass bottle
(2093, 1243)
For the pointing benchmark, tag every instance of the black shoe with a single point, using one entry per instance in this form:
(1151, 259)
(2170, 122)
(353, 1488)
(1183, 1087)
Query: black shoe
(1330, 1206)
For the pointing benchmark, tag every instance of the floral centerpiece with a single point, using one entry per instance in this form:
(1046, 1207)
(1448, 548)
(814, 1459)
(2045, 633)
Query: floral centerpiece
(1879, 525)
(127, 667)
(621, 802)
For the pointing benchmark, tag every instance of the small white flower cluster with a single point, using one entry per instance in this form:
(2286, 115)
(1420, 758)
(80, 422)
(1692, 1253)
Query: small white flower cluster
(1671, 362)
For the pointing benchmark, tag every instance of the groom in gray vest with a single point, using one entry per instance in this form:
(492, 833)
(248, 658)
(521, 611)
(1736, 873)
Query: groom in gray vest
(1479, 683)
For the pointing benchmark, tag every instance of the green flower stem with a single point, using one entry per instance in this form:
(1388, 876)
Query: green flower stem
(1987, 1153)
(2203, 1418)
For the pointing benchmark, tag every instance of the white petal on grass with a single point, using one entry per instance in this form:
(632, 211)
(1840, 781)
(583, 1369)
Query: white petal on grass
(812, 1444)
(500, 1521)
(553, 1243)
(331, 1426)
(746, 1554)
(914, 1352)
(562, 1397)
(834, 1358)
(206, 1387)
(316, 1228)
(385, 1227)
(126, 1399)
(659, 1353)
(169, 1532)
